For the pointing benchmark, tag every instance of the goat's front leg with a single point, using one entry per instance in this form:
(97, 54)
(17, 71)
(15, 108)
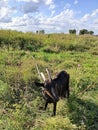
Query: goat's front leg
(54, 108)
(46, 104)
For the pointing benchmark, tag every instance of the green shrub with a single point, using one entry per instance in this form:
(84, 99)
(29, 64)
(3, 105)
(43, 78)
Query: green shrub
(4, 91)
(54, 123)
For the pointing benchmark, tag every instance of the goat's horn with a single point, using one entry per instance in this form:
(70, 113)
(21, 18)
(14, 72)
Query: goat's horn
(38, 71)
(43, 76)
(48, 74)
(37, 68)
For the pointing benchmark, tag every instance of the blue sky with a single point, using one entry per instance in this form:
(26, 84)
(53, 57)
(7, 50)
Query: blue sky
(54, 16)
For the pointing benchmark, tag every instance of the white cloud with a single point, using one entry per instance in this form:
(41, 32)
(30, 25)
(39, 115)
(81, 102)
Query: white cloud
(67, 6)
(30, 15)
(59, 22)
(76, 2)
(52, 6)
(5, 13)
(52, 13)
(94, 13)
(29, 7)
(28, 1)
(48, 2)
(89, 21)
(85, 17)
(96, 21)
(3, 4)
(50, 24)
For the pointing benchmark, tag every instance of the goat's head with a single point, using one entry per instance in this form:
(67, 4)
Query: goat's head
(48, 88)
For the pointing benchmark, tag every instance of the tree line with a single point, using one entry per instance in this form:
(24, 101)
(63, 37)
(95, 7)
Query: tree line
(71, 31)
(81, 32)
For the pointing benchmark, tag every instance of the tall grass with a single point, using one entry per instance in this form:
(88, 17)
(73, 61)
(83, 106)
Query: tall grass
(21, 101)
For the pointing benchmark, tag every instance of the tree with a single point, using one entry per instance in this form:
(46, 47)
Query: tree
(37, 32)
(72, 31)
(91, 32)
(85, 31)
(40, 32)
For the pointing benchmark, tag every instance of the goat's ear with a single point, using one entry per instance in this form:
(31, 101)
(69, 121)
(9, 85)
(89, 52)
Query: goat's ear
(39, 84)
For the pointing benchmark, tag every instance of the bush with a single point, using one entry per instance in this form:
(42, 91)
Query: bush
(54, 123)
(4, 91)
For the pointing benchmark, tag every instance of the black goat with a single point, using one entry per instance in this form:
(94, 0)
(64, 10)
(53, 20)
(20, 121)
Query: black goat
(54, 88)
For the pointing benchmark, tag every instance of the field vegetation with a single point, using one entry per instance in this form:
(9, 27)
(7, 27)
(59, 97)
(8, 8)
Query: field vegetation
(21, 101)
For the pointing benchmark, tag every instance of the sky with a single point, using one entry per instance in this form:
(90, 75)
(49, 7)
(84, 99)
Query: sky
(52, 16)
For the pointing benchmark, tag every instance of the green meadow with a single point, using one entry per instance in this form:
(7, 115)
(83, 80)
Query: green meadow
(21, 101)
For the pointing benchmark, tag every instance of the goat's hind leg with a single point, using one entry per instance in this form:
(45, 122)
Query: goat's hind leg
(46, 104)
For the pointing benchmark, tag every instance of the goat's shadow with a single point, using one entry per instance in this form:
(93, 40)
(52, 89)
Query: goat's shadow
(83, 112)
